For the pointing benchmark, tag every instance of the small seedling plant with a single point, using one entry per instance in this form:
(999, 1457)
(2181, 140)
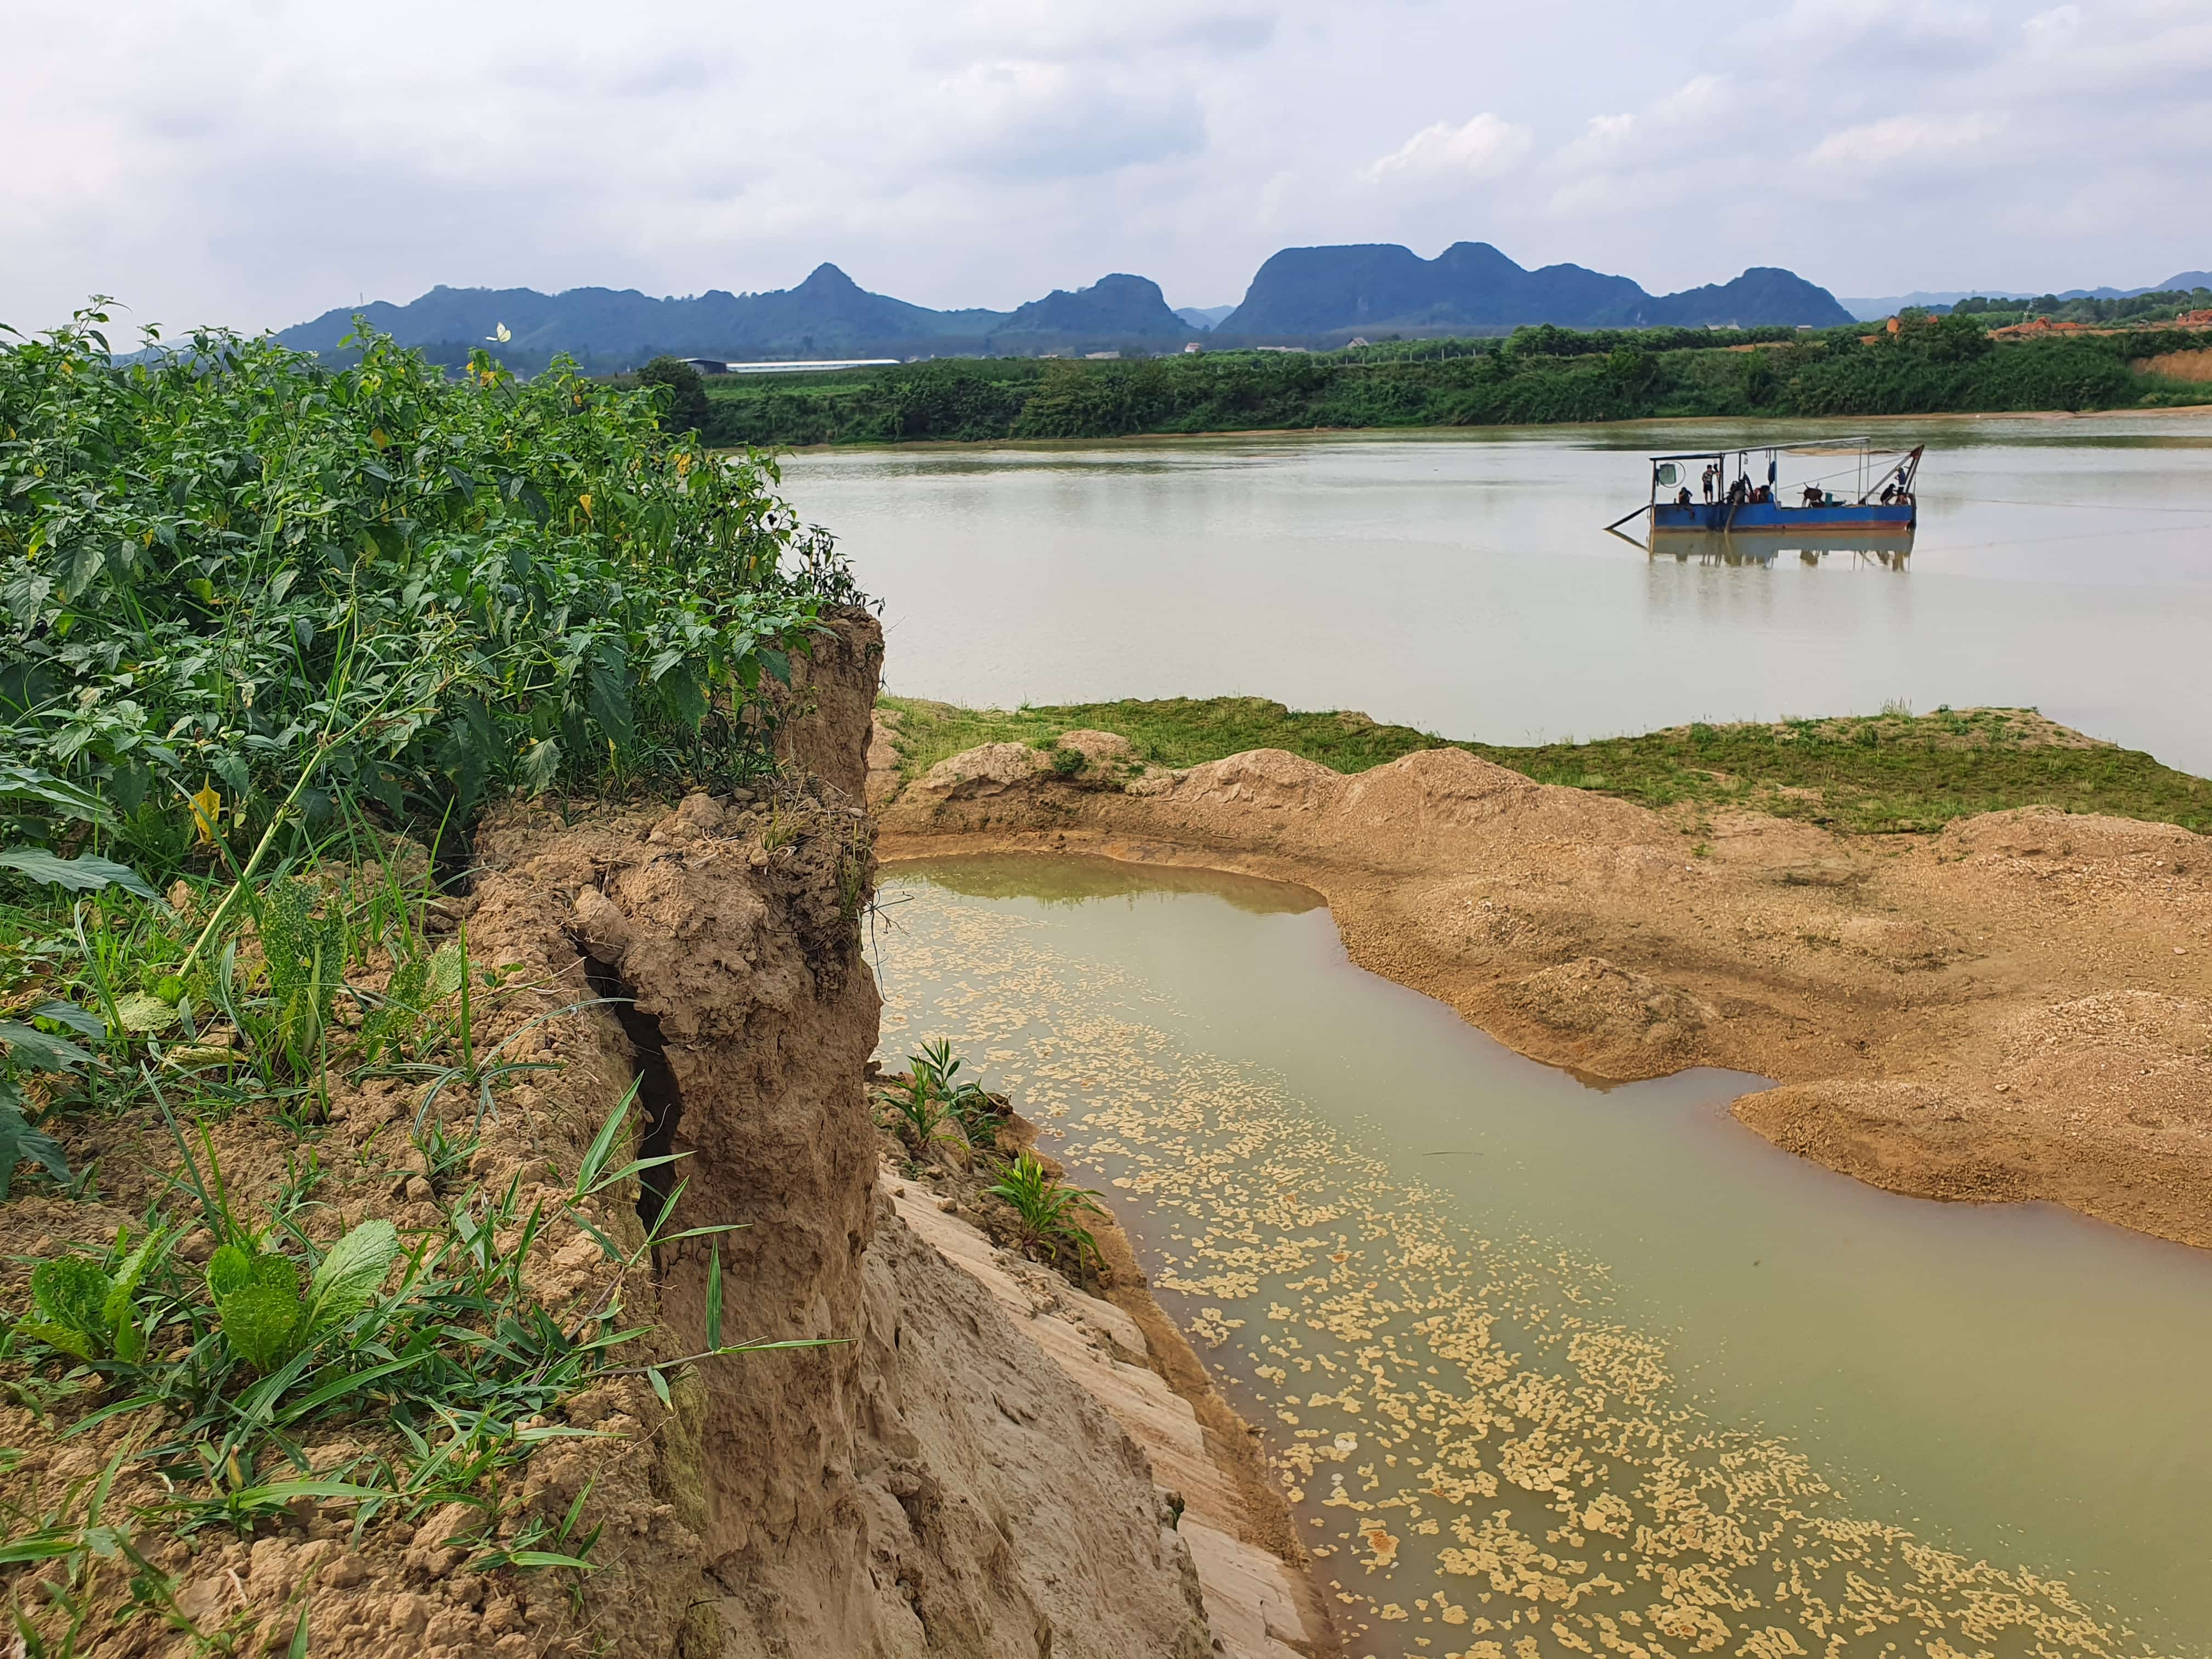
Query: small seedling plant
(1047, 1209)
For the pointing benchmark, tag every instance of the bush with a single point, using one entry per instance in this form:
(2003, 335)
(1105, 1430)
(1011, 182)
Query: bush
(684, 407)
(232, 573)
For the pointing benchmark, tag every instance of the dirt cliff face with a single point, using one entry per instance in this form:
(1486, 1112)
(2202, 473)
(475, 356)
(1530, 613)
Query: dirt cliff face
(833, 700)
(927, 1480)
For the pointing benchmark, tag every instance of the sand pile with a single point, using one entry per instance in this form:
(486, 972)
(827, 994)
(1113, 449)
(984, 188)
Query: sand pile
(1998, 1010)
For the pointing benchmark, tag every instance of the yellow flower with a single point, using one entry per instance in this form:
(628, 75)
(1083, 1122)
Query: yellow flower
(584, 500)
(376, 436)
(207, 807)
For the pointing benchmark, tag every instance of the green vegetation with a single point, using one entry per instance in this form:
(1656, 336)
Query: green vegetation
(682, 390)
(930, 1106)
(1873, 773)
(1538, 375)
(271, 636)
(234, 575)
(1046, 1209)
(2164, 304)
(934, 1106)
(214, 1378)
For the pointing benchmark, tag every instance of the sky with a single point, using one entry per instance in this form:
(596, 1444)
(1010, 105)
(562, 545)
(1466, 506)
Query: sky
(255, 163)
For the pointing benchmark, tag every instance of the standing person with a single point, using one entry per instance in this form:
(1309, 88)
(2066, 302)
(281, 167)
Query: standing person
(1707, 479)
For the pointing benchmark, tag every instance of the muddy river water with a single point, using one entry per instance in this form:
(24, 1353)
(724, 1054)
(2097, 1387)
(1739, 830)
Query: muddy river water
(1461, 583)
(1550, 1368)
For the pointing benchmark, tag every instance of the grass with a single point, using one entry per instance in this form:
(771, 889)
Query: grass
(1879, 774)
(212, 1371)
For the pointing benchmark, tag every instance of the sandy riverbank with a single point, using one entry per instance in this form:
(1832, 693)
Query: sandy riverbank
(2020, 1008)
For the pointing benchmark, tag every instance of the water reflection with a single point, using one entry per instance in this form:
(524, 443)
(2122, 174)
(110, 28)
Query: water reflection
(1762, 549)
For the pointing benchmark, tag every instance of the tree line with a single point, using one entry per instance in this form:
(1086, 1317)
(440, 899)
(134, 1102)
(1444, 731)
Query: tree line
(1537, 376)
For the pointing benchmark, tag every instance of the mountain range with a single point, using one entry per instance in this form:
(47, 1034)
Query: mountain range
(1381, 287)
(1312, 296)
(1869, 309)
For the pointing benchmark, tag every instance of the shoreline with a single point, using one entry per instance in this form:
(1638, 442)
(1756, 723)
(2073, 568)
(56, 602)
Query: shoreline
(1993, 1016)
(951, 446)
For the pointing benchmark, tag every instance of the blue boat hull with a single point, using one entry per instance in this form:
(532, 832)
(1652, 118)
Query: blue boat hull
(1770, 517)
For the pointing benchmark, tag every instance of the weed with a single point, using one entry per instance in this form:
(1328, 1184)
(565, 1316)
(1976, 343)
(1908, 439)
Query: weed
(1046, 1209)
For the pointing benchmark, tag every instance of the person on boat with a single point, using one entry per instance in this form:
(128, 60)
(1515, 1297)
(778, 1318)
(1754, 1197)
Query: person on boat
(1889, 492)
(1707, 479)
(1683, 499)
(1812, 494)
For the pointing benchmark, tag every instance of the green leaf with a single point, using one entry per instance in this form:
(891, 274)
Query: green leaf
(229, 1271)
(606, 692)
(547, 1559)
(714, 1300)
(26, 782)
(684, 696)
(86, 874)
(350, 1275)
(140, 1013)
(259, 1322)
(56, 1336)
(541, 764)
(19, 1142)
(298, 1650)
(659, 1385)
(117, 1310)
(82, 1021)
(35, 1050)
(72, 1292)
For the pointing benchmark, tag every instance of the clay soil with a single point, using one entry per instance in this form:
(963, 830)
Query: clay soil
(2018, 1008)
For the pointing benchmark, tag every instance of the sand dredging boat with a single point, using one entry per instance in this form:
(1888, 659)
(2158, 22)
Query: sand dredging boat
(1852, 490)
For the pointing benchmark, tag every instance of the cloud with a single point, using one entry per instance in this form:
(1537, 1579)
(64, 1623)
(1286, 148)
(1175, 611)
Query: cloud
(254, 163)
(1908, 138)
(1050, 121)
(1479, 148)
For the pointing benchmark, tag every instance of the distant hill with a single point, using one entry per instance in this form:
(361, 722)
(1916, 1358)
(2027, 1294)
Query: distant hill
(1119, 306)
(828, 315)
(1380, 286)
(1203, 316)
(1307, 295)
(1872, 309)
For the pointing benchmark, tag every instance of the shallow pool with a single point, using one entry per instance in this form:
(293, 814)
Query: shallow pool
(1593, 1369)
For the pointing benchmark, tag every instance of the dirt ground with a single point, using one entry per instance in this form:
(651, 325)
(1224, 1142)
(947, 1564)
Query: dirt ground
(2018, 1008)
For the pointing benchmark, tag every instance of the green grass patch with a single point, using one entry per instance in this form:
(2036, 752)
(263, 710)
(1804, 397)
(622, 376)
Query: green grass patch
(1881, 774)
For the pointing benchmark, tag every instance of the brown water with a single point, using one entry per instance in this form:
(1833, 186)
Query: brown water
(1563, 1370)
(1461, 583)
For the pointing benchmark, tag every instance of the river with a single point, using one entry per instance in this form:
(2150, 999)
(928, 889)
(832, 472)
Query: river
(1459, 582)
(1553, 1369)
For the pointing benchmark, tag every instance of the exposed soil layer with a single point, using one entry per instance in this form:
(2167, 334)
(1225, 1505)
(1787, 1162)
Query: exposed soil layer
(2018, 1008)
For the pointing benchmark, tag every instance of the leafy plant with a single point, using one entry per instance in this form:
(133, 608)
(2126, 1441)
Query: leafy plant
(263, 1317)
(937, 1070)
(248, 591)
(1046, 1208)
(88, 1309)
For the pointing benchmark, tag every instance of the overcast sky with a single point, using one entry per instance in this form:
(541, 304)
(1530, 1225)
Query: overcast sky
(256, 162)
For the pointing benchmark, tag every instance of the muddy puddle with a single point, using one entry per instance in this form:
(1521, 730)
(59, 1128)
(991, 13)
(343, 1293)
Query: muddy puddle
(1554, 1369)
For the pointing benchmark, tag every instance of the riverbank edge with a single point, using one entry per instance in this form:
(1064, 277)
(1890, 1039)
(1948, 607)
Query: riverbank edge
(1863, 1149)
(1260, 1519)
(1063, 445)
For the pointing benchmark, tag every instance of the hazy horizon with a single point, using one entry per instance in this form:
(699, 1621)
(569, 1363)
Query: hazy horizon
(258, 164)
